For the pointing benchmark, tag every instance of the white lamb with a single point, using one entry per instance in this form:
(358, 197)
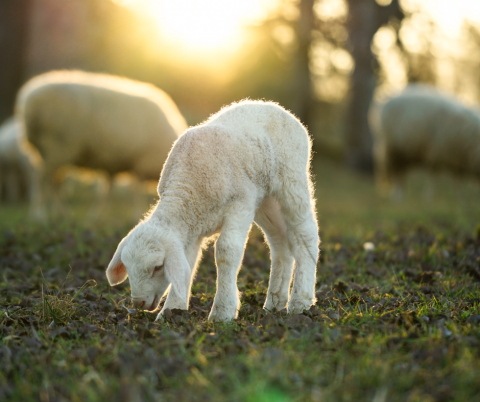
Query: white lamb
(249, 162)
(426, 128)
(20, 164)
(98, 121)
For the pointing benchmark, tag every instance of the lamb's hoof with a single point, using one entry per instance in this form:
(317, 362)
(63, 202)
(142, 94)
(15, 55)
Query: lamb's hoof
(221, 316)
(298, 306)
(275, 304)
(164, 315)
(160, 318)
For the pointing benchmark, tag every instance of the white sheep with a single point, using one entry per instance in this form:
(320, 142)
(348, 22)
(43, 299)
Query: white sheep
(426, 128)
(249, 162)
(20, 164)
(98, 121)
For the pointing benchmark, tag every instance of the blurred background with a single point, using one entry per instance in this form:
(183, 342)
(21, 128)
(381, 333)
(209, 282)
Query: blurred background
(325, 60)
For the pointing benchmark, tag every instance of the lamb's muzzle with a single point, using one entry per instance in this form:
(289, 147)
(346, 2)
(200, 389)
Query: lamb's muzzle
(142, 302)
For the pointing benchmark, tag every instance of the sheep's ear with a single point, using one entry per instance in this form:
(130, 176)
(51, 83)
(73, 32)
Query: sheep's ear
(116, 271)
(177, 270)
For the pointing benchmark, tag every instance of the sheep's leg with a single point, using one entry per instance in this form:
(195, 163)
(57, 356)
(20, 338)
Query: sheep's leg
(173, 301)
(304, 238)
(12, 185)
(397, 188)
(47, 203)
(194, 255)
(54, 194)
(138, 203)
(102, 192)
(229, 250)
(37, 192)
(270, 219)
(34, 175)
(428, 192)
(302, 233)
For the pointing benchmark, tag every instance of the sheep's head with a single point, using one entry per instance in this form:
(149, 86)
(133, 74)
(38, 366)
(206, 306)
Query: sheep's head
(153, 259)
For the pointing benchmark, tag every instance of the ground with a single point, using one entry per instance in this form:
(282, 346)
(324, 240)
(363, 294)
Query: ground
(400, 322)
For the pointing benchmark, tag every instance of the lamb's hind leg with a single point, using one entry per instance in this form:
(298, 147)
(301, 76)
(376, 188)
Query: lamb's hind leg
(298, 211)
(270, 219)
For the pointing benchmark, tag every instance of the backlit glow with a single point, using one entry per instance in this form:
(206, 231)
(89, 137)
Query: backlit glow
(448, 14)
(202, 26)
(206, 24)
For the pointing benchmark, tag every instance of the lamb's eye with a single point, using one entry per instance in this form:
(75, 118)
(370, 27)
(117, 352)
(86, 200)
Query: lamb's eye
(157, 268)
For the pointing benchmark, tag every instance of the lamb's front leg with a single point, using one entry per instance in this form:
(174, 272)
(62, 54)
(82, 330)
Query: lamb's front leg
(228, 257)
(173, 301)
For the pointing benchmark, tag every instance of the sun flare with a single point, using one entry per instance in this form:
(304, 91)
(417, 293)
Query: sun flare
(206, 24)
(202, 26)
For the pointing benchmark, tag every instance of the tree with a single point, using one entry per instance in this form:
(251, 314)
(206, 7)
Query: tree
(14, 18)
(303, 91)
(365, 17)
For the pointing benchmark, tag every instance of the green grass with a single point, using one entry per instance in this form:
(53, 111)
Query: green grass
(401, 323)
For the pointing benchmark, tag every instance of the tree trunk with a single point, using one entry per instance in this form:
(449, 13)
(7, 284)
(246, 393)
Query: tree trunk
(365, 17)
(14, 18)
(303, 84)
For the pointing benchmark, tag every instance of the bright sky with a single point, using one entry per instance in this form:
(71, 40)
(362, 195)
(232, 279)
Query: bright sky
(206, 24)
(203, 26)
(449, 14)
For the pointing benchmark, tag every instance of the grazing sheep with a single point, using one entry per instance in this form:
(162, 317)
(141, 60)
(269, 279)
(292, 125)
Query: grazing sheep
(20, 164)
(427, 128)
(98, 121)
(249, 162)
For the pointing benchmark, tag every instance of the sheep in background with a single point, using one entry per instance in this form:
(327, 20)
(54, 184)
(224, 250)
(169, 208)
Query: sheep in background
(20, 164)
(426, 128)
(98, 121)
(249, 162)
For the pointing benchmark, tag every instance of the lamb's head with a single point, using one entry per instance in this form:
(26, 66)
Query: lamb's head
(152, 258)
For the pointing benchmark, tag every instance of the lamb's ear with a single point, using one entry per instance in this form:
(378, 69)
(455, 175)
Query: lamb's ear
(177, 270)
(116, 271)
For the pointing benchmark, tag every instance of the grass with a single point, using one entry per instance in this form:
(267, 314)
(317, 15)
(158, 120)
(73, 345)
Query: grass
(399, 323)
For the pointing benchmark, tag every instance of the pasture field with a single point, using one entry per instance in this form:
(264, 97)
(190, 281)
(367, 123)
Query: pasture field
(399, 323)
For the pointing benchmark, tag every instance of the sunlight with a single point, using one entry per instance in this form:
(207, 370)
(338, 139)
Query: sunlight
(202, 26)
(449, 15)
(207, 24)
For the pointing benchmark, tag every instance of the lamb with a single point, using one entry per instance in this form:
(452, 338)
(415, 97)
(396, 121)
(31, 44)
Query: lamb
(98, 121)
(424, 127)
(20, 164)
(249, 162)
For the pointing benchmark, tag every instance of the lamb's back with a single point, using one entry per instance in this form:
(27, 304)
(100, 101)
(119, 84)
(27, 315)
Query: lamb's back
(248, 149)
